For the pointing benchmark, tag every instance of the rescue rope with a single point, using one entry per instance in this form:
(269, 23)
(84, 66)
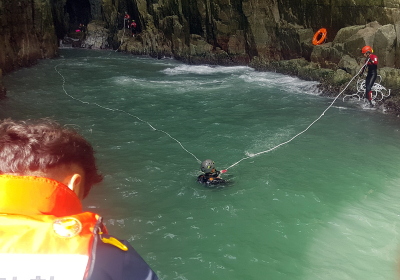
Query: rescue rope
(298, 134)
(119, 110)
(377, 89)
(236, 163)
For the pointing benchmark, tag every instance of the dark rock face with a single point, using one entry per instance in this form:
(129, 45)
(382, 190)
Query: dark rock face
(268, 34)
(239, 31)
(219, 31)
(2, 88)
(26, 33)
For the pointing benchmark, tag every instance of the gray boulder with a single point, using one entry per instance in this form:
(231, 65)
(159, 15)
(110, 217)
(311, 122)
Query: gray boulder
(384, 45)
(290, 67)
(353, 45)
(345, 33)
(97, 36)
(390, 77)
(341, 77)
(349, 65)
(294, 40)
(397, 52)
(312, 72)
(326, 56)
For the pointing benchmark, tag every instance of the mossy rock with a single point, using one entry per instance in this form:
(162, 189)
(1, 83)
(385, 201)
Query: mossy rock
(313, 73)
(349, 65)
(390, 79)
(341, 77)
(292, 66)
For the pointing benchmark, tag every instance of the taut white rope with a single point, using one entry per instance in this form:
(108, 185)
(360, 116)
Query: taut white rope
(111, 109)
(298, 134)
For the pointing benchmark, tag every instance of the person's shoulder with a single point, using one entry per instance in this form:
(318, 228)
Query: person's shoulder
(111, 262)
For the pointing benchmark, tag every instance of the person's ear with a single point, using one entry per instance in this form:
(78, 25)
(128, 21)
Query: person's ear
(75, 185)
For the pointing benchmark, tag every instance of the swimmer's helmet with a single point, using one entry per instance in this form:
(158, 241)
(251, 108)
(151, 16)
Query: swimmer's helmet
(207, 166)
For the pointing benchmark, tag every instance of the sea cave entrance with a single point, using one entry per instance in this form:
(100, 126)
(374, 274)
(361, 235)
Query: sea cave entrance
(79, 12)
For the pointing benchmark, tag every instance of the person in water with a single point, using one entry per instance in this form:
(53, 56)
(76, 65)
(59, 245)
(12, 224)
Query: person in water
(372, 65)
(46, 170)
(211, 175)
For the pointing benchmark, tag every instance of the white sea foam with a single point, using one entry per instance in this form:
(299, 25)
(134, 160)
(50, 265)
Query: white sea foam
(180, 85)
(276, 80)
(340, 107)
(125, 80)
(83, 63)
(205, 69)
(247, 74)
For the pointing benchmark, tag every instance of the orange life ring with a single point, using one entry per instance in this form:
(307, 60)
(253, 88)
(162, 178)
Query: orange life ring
(322, 32)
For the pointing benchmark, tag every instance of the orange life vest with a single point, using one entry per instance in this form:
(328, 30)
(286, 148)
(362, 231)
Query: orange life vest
(43, 231)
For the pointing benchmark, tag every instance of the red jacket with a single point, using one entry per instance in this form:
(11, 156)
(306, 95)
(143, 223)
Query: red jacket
(372, 64)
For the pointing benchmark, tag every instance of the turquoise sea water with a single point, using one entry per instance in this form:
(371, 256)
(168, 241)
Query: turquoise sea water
(324, 206)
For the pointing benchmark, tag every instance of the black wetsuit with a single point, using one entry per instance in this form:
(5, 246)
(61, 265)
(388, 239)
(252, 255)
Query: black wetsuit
(372, 74)
(210, 178)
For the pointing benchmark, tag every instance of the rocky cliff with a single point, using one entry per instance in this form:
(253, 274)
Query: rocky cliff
(26, 34)
(267, 34)
(237, 31)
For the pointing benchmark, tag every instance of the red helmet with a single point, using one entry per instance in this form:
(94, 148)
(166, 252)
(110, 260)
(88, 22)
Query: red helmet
(367, 49)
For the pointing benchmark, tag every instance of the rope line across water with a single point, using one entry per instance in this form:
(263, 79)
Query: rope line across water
(119, 110)
(298, 134)
(236, 163)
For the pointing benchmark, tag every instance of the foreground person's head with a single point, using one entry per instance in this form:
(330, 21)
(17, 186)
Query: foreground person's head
(43, 148)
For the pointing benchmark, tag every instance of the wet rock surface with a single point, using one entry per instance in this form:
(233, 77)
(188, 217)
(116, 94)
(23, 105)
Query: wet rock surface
(273, 35)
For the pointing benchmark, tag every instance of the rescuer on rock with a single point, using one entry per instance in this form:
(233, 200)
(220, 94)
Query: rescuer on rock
(372, 71)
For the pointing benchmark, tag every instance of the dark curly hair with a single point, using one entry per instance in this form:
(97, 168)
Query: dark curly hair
(28, 146)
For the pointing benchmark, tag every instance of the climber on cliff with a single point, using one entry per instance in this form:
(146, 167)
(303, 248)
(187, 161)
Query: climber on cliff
(133, 28)
(81, 27)
(126, 20)
(372, 64)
